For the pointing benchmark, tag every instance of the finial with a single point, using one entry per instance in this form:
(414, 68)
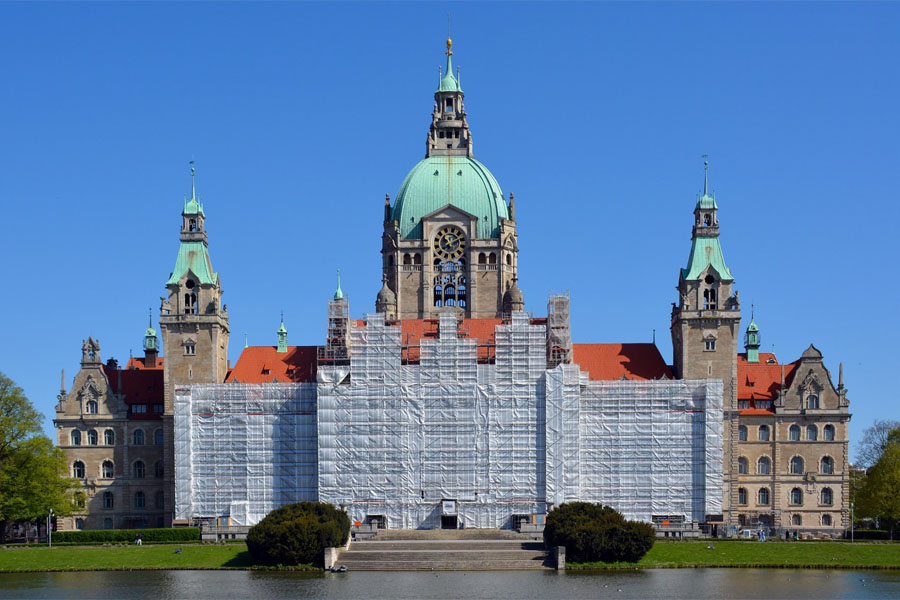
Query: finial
(62, 380)
(338, 293)
(193, 181)
(245, 341)
(449, 41)
(752, 311)
(705, 174)
(840, 376)
(282, 317)
(150, 313)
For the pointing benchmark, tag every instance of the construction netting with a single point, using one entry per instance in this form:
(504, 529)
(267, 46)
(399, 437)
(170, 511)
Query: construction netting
(412, 445)
(242, 450)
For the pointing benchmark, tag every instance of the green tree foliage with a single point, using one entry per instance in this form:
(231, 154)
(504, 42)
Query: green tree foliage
(879, 496)
(298, 534)
(32, 470)
(592, 532)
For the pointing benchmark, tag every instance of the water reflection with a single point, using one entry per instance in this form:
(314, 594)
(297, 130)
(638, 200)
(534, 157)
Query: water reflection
(651, 584)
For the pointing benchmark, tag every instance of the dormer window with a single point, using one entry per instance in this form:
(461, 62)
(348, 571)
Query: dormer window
(812, 401)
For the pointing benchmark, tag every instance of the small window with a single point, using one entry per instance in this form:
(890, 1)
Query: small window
(78, 469)
(826, 520)
(107, 470)
(92, 437)
(763, 465)
(407, 259)
(743, 465)
(482, 258)
(796, 520)
(710, 346)
(108, 500)
(796, 496)
(441, 134)
(764, 433)
(190, 302)
(138, 437)
(829, 433)
(812, 433)
(159, 500)
(509, 259)
(107, 523)
(158, 469)
(492, 259)
(449, 105)
(742, 433)
(79, 524)
(710, 301)
(91, 407)
(76, 437)
(742, 495)
(827, 465)
(707, 220)
(812, 401)
(158, 409)
(192, 225)
(139, 408)
(158, 437)
(139, 470)
(743, 404)
(796, 466)
(827, 497)
(109, 437)
(794, 433)
(140, 501)
(417, 259)
(762, 497)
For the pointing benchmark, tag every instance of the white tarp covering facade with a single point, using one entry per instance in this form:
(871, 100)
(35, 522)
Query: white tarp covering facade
(449, 437)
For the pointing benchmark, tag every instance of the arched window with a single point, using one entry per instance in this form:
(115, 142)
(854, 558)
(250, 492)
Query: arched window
(138, 470)
(764, 433)
(762, 497)
(710, 300)
(79, 523)
(707, 221)
(812, 401)
(138, 437)
(796, 520)
(742, 495)
(107, 470)
(158, 469)
(417, 259)
(109, 500)
(743, 465)
(797, 466)
(438, 295)
(92, 437)
(826, 520)
(158, 437)
(78, 469)
(829, 433)
(482, 259)
(140, 501)
(742, 433)
(794, 433)
(159, 499)
(492, 259)
(407, 259)
(76, 437)
(192, 224)
(109, 437)
(797, 496)
(763, 465)
(827, 465)
(91, 407)
(509, 259)
(812, 433)
(827, 496)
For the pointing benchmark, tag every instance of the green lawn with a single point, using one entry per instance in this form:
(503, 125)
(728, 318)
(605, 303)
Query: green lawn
(764, 554)
(98, 558)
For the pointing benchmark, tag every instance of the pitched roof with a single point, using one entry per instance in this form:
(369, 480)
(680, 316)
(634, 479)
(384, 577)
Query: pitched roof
(605, 362)
(139, 386)
(762, 380)
(264, 364)
(137, 362)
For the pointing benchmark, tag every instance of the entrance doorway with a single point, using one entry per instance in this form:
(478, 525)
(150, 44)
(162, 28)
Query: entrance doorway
(449, 522)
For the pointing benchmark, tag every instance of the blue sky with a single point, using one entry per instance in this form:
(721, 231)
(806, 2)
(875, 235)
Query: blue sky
(302, 116)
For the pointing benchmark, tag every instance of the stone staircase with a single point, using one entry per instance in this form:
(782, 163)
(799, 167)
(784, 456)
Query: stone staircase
(446, 550)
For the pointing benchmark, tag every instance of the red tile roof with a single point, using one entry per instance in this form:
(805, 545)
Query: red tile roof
(762, 380)
(140, 386)
(137, 362)
(605, 362)
(264, 364)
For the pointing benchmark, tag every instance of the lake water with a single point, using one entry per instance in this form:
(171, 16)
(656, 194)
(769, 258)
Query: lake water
(651, 584)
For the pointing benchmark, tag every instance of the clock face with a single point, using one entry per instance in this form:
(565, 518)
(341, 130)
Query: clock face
(449, 243)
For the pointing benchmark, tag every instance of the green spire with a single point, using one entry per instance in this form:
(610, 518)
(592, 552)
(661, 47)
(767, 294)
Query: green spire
(706, 201)
(448, 82)
(751, 339)
(338, 294)
(150, 341)
(193, 206)
(282, 336)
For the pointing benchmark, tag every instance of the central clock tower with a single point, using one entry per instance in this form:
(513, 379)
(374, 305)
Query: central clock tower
(449, 241)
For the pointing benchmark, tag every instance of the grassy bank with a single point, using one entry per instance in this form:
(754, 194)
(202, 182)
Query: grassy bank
(112, 558)
(763, 554)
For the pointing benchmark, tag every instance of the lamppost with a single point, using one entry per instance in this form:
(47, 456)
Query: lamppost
(50, 529)
(851, 522)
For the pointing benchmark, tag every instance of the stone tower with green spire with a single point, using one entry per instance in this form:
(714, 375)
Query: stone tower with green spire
(282, 337)
(752, 341)
(194, 325)
(151, 345)
(706, 322)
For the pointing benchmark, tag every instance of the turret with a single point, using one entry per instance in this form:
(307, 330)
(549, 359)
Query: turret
(752, 341)
(282, 337)
(449, 134)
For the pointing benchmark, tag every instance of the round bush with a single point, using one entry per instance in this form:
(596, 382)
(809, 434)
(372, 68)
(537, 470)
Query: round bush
(298, 534)
(592, 532)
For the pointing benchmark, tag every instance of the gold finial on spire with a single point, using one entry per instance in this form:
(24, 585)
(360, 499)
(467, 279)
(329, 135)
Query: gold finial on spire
(449, 52)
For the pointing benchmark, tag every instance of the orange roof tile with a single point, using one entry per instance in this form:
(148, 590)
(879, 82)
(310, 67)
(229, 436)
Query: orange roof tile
(137, 362)
(139, 386)
(606, 362)
(762, 380)
(264, 364)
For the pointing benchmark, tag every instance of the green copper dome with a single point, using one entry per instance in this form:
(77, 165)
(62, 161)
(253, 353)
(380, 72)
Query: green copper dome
(457, 180)
(706, 202)
(752, 327)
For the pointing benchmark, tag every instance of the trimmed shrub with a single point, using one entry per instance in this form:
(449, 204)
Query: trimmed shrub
(180, 534)
(298, 534)
(592, 532)
(868, 534)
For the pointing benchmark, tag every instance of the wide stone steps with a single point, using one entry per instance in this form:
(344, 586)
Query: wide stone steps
(445, 551)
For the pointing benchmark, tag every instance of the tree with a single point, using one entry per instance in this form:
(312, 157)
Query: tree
(879, 496)
(874, 441)
(33, 473)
